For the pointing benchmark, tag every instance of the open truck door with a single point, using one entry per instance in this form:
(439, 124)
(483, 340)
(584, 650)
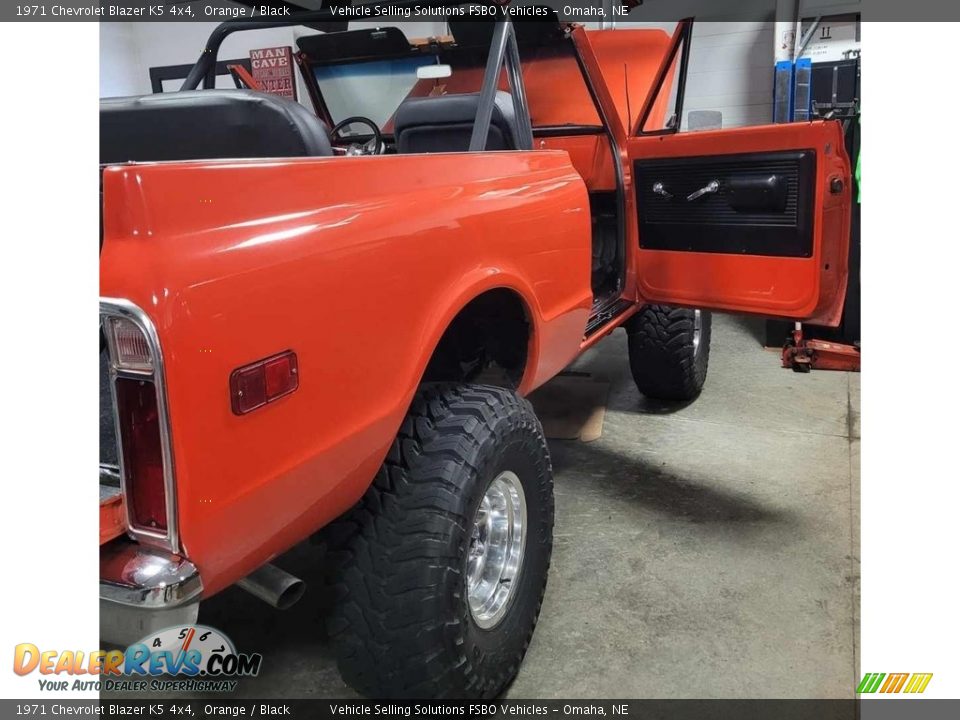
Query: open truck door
(753, 219)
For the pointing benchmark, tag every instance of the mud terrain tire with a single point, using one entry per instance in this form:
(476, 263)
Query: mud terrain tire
(402, 624)
(669, 351)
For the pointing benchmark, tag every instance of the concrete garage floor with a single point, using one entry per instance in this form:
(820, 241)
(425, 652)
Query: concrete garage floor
(706, 551)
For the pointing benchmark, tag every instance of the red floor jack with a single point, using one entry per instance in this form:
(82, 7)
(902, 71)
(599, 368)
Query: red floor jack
(803, 355)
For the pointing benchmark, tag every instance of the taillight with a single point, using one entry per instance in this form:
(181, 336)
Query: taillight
(130, 348)
(146, 461)
(142, 447)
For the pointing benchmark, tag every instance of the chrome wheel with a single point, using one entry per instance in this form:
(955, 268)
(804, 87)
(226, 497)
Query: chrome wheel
(495, 556)
(697, 330)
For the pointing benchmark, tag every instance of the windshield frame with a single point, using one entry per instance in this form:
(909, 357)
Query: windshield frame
(308, 74)
(463, 59)
(341, 99)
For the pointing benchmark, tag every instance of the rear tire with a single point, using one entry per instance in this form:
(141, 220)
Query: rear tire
(669, 351)
(403, 624)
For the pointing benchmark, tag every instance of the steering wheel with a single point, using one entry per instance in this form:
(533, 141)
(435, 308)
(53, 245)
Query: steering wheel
(374, 146)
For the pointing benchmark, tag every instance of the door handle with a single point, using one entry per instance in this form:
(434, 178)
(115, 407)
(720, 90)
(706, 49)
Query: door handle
(660, 190)
(711, 187)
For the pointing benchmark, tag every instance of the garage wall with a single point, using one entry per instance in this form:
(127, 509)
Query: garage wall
(731, 70)
(731, 61)
(129, 50)
(119, 60)
(126, 71)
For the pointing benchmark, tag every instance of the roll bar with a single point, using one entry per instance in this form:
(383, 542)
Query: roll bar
(208, 58)
(504, 52)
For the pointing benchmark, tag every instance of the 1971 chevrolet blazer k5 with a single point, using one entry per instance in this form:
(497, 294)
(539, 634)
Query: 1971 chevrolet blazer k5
(314, 322)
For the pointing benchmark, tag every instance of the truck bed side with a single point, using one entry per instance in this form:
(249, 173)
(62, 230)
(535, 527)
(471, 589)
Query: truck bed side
(356, 264)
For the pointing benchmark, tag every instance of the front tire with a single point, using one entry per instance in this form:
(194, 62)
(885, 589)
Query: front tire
(669, 351)
(420, 610)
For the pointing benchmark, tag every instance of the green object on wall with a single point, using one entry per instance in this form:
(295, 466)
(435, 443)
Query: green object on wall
(856, 172)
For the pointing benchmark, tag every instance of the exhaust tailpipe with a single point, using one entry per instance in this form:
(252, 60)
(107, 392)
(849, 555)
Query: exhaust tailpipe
(274, 586)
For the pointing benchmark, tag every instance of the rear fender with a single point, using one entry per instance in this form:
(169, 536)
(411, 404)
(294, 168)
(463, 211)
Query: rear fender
(356, 264)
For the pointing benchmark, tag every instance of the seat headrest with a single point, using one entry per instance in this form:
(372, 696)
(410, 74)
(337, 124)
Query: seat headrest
(444, 113)
(208, 124)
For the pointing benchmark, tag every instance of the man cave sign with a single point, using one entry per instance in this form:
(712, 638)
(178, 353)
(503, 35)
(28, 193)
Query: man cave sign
(273, 70)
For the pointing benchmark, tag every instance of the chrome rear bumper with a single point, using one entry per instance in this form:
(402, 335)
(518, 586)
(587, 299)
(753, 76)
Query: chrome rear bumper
(143, 589)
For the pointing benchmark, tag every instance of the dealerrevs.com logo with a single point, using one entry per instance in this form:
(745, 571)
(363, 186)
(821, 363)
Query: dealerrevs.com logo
(181, 658)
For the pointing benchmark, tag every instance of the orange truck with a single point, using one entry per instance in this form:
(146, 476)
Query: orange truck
(323, 322)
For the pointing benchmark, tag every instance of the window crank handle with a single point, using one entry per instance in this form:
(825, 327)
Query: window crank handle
(711, 187)
(660, 190)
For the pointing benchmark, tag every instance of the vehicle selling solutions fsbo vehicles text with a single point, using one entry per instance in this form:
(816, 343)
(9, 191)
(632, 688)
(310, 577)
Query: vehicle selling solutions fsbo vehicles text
(399, 11)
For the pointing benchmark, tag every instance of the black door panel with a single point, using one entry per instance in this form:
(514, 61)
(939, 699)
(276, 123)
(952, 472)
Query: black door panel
(754, 204)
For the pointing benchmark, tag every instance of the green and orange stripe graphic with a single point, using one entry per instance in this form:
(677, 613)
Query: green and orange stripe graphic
(894, 682)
